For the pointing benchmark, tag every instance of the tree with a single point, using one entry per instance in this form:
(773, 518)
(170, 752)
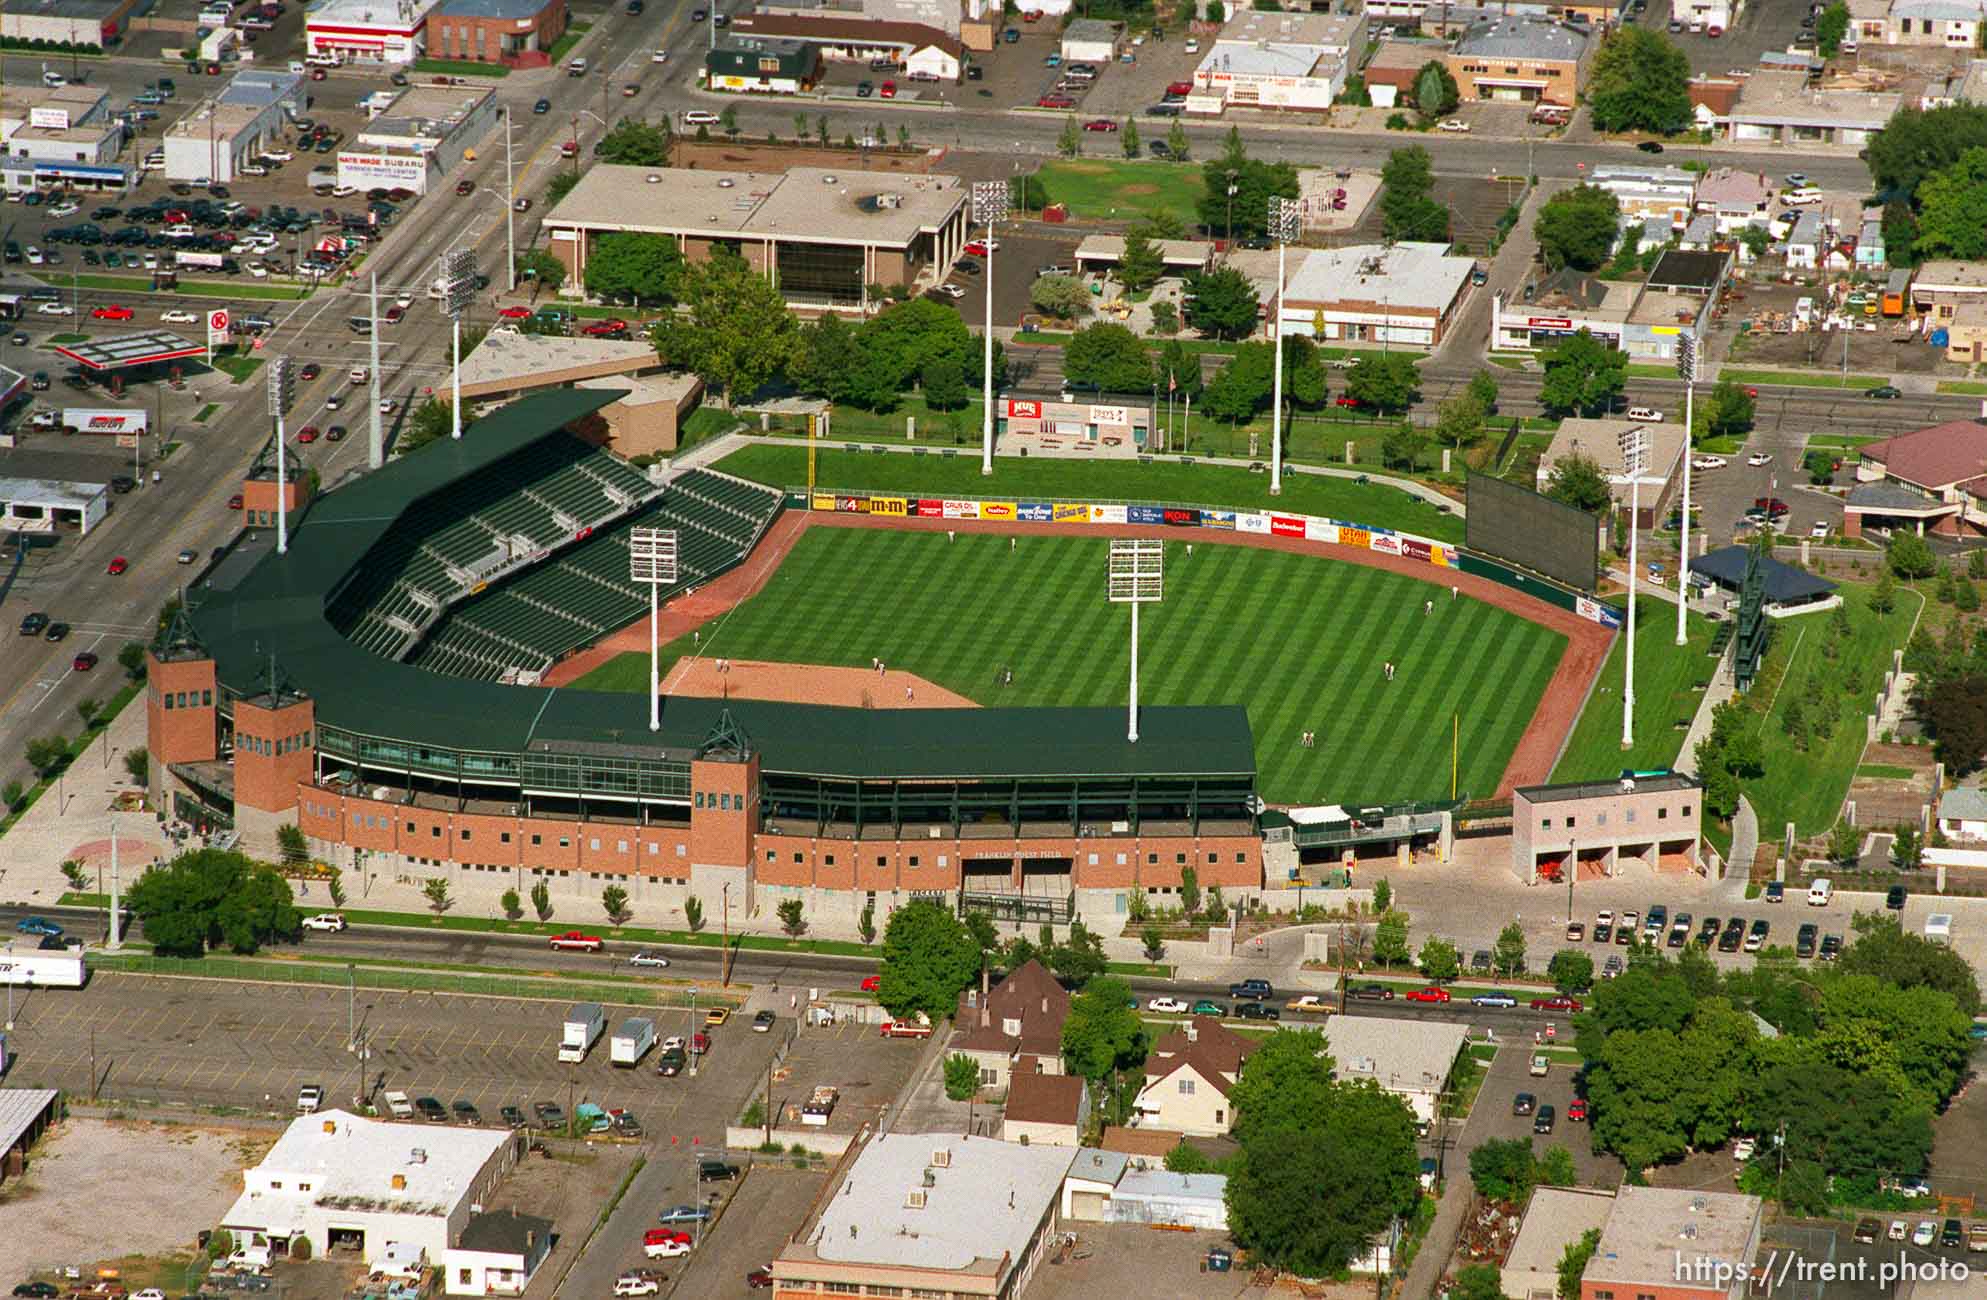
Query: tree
(1385, 382)
(1061, 296)
(1573, 1262)
(1383, 895)
(541, 901)
(1224, 304)
(46, 754)
(435, 890)
(1917, 143)
(1830, 28)
(1556, 1168)
(1885, 949)
(828, 350)
(1577, 227)
(1177, 143)
(512, 905)
(1070, 142)
(693, 913)
(1128, 137)
(131, 658)
(1179, 369)
(1243, 386)
(614, 901)
(791, 919)
(1107, 357)
(1285, 1082)
(1640, 82)
(1906, 853)
(635, 268)
(635, 143)
(1478, 1282)
(1502, 1169)
(209, 898)
(87, 710)
(1459, 421)
(736, 334)
(1435, 91)
(1189, 891)
(1952, 209)
(1390, 939)
(1102, 1036)
(1576, 480)
(943, 381)
(1154, 940)
(866, 924)
(291, 844)
(1483, 387)
(561, 184)
(429, 422)
(1507, 956)
(537, 265)
(1141, 265)
(1570, 970)
(728, 121)
(1403, 444)
(1883, 596)
(962, 1077)
(1408, 209)
(1304, 381)
(1439, 960)
(1245, 213)
(1079, 960)
(928, 958)
(1583, 376)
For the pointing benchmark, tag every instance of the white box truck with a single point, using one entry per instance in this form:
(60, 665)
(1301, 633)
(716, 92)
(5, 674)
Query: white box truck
(631, 1041)
(1939, 928)
(584, 1022)
(1821, 891)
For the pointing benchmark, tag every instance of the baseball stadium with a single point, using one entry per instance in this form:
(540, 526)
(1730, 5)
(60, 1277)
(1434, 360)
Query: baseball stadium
(862, 695)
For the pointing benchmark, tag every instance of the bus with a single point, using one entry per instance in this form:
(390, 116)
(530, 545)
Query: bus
(12, 306)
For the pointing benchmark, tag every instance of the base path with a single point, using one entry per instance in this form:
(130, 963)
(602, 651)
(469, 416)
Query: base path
(755, 679)
(1530, 763)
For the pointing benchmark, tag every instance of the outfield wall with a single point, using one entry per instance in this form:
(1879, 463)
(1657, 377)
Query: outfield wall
(1314, 528)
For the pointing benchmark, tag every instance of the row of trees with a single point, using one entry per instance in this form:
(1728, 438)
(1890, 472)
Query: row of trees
(871, 365)
(1929, 169)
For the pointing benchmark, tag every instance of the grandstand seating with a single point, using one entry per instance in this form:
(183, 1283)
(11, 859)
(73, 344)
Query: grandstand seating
(529, 620)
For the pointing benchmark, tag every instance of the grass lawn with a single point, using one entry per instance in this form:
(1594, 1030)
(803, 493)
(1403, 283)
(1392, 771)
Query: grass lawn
(206, 412)
(461, 68)
(1098, 189)
(1638, 370)
(1377, 504)
(1964, 387)
(708, 422)
(240, 367)
(1296, 640)
(1841, 441)
(563, 46)
(1807, 786)
(67, 338)
(1799, 378)
(1665, 677)
(1884, 772)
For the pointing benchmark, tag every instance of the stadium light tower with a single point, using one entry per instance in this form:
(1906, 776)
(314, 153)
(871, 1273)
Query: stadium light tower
(990, 204)
(459, 290)
(1687, 371)
(1285, 220)
(1634, 443)
(282, 390)
(1135, 579)
(652, 560)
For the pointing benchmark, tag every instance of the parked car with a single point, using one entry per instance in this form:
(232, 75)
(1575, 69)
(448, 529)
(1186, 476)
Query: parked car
(1166, 1006)
(576, 941)
(1428, 994)
(1524, 1104)
(1883, 392)
(1493, 1000)
(650, 959)
(331, 921)
(1561, 1003)
(762, 1022)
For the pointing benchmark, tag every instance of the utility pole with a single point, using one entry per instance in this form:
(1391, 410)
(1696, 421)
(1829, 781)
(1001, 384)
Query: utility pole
(990, 204)
(510, 203)
(376, 448)
(724, 952)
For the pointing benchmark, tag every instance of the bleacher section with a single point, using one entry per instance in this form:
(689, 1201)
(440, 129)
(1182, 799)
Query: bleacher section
(531, 620)
(531, 502)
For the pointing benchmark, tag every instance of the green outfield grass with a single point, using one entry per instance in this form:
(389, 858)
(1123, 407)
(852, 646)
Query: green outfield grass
(1102, 189)
(1379, 504)
(1666, 681)
(1298, 640)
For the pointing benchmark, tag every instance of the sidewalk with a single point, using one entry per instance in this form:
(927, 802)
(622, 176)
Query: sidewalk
(73, 820)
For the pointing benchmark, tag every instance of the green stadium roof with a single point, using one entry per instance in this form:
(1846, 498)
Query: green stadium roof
(277, 611)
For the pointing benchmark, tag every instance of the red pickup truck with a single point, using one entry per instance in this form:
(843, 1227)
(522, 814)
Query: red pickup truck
(577, 941)
(919, 1028)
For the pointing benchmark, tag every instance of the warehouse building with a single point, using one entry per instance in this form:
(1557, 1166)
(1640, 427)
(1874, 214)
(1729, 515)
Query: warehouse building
(1404, 293)
(91, 24)
(423, 135)
(221, 134)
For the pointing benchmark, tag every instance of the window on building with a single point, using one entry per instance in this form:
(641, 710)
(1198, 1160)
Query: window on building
(1186, 1087)
(912, 860)
(830, 860)
(1545, 823)
(1662, 814)
(1684, 811)
(1629, 816)
(537, 839)
(465, 834)
(1600, 819)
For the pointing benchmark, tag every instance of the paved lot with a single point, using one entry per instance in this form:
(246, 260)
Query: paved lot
(1761, 27)
(770, 1204)
(1129, 1259)
(1493, 1120)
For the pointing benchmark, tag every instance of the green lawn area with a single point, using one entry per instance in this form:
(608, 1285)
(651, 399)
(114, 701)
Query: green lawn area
(1799, 378)
(1665, 675)
(1380, 505)
(707, 422)
(1807, 787)
(67, 338)
(237, 366)
(206, 412)
(461, 68)
(1296, 640)
(1964, 387)
(1098, 189)
(1884, 772)
(562, 46)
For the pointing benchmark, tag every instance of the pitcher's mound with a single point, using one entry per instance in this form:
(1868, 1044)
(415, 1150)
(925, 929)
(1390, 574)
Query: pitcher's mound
(755, 679)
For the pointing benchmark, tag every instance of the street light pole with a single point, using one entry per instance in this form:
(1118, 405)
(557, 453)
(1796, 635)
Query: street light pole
(459, 275)
(1135, 577)
(990, 203)
(1284, 217)
(510, 203)
(1634, 444)
(1687, 368)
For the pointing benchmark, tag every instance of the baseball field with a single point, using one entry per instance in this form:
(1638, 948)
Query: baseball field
(1300, 641)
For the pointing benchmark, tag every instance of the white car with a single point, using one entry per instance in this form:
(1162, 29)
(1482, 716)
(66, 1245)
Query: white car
(673, 1043)
(1647, 414)
(953, 290)
(631, 1284)
(331, 921)
(278, 155)
(1455, 124)
(1924, 1233)
(1819, 528)
(53, 309)
(1166, 1004)
(645, 958)
(1899, 1230)
(180, 316)
(665, 1249)
(64, 209)
(1760, 458)
(1709, 462)
(258, 270)
(309, 1098)
(660, 56)
(149, 1293)
(388, 406)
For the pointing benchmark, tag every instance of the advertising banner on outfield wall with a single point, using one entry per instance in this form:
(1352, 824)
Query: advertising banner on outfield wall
(823, 501)
(1353, 536)
(962, 509)
(852, 505)
(1385, 543)
(996, 509)
(1107, 514)
(1415, 550)
(1320, 530)
(1034, 512)
(1595, 612)
(1286, 525)
(1069, 512)
(928, 509)
(895, 507)
(1217, 519)
(1145, 515)
(1247, 523)
(1181, 516)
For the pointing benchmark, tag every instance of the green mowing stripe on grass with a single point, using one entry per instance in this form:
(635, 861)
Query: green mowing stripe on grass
(1798, 378)
(1380, 505)
(1664, 676)
(1296, 640)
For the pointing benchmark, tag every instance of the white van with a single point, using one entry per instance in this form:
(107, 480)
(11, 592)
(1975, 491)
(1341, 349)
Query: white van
(1802, 195)
(699, 117)
(1820, 892)
(323, 60)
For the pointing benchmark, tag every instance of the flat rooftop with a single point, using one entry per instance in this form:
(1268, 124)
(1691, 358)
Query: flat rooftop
(350, 1159)
(63, 9)
(506, 358)
(1412, 275)
(1667, 307)
(1395, 1053)
(53, 493)
(1556, 1218)
(426, 113)
(1776, 97)
(217, 119)
(367, 13)
(78, 100)
(130, 349)
(1650, 1225)
(1591, 789)
(1326, 31)
(806, 205)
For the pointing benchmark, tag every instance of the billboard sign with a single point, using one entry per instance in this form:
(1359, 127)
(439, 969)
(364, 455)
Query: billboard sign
(1354, 537)
(52, 119)
(1217, 519)
(1415, 550)
(852, 505)
(962, 510)
(1144, 515)
(1070, 512)
(996, 509)
(1107, 514)
(1286, 525)
(1251, 523)
(1022, 410)
(1320, 530)
(1385, 543)
(1181, 516)
(1035, 512)
(895, 507)
(1110, 415)
(217, 327)
(928, 509)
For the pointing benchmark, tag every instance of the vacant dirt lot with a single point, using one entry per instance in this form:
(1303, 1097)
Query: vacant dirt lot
(99, 1190)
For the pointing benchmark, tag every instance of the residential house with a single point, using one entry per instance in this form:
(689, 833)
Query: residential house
(499, 1252)
(1803, 244)
(1940, 287)
(1933, 479)
(1188, 1075)
(1867, 21)
(1014, 1026)
(1963, 813)
(1946, 24)
(1665, 192)
(1734, 198)
(1045, 1109)
(1701, 234)
(1712, 100)
(1524, 59)
(1969, 84)
(1143, 1147)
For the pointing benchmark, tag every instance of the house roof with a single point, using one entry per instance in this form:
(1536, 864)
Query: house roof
(1600, 441)
(1162, 1185)
(19, 1109)
(1784, 583)
(1044, 1098)
(1150, 1142)
(807, 204)
(1718, 94)
(1690, 272)
(1029, 995)
(1555, 1218)
(1215, 1052)
(1648, 1225)
(1095, 1166)
(1949, 275)
(505, 1232)
(1728, 188)
(1885, 495)
(1950, 11)
(1935, 457)
(1964, 803)
(1397, 1054)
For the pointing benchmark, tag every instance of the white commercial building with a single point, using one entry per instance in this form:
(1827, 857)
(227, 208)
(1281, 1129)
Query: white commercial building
(1279, 60)
(1666, 192)
(424, 133)
(221, 134)
(368, 31)
(1411, 1059)
(60, 137)
(1714, 16)
(88, 23)
(336, 1178)
(1407, 293)
(1090, 40)
(38, 505)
